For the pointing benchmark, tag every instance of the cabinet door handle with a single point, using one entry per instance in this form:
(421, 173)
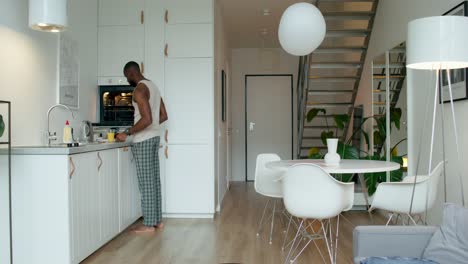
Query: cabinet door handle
(166, 135)
(142, 66)
(166, 152)
(125, 149)
(142, 17)
(166, 16)
(73, 167)
(100, 161)
(165, 51)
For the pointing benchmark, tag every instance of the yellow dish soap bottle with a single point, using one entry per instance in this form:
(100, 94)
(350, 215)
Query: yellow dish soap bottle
(67, 133)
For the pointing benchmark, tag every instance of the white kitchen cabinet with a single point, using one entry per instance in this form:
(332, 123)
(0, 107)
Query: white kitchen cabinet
(189, 11)
(120, 12)
(85, 221)
(189, 41)
(190, 180)
(65, 207)
(108, 194)
(190, 100)
(154, 42)
(129, 194)
(117, 46)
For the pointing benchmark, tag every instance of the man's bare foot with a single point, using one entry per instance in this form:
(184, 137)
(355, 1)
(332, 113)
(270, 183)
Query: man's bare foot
(143, 229)
(159, 226)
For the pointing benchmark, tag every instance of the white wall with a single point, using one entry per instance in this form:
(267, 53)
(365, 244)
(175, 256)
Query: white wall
(30, 68)
(221, 141)
(29, 74)
(390, 29)
(252, 61)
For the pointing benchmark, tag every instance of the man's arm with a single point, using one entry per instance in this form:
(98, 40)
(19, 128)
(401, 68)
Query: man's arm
(162, 113)
(141, 96)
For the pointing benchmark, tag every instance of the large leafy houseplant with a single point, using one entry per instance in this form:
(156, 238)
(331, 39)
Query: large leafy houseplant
(347, 151)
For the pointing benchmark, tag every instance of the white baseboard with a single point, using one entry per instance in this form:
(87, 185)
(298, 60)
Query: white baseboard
(189, 216)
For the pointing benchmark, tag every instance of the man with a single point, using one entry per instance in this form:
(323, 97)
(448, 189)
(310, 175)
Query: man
(150, 112)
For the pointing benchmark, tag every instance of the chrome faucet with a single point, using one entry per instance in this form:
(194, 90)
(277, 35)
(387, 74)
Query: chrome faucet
(53, 136)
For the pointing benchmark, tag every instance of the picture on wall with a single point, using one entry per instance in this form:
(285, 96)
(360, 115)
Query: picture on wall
(458, 77)
(223, 96)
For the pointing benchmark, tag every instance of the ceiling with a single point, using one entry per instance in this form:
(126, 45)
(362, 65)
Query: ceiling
(248, 27)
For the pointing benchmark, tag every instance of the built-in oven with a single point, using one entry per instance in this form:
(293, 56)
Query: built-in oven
(116, 107)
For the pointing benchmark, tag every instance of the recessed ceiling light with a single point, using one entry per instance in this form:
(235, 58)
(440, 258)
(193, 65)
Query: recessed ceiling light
(266, 12)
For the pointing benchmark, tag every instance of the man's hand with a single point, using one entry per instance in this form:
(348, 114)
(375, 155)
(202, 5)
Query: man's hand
(121, 137)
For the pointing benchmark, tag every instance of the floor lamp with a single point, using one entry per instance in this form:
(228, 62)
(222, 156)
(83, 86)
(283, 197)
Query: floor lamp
(436, 44)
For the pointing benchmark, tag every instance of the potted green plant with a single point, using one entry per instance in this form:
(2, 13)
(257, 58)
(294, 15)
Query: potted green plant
(347, 151)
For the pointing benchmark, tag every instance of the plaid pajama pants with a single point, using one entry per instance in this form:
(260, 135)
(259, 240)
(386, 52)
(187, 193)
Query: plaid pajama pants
(147, 164)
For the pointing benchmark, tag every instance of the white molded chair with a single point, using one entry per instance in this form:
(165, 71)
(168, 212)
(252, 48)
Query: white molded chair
(395, 197)
(267, 184)
(311, 193)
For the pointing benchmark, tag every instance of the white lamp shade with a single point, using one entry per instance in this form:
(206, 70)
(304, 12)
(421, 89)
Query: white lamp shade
(439, 42)
(302, 29)
(48, 15)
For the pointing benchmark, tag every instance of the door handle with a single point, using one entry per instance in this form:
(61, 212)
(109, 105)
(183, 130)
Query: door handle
(100, 162)
(166, 152)
(73, 167)
(165, 50)
(166, 136)
(251, 126)
(166, 16)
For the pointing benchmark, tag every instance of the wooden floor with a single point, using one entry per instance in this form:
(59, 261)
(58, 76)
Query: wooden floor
(229, 238)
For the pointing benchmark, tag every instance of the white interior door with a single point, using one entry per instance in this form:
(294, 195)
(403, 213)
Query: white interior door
(269, 118)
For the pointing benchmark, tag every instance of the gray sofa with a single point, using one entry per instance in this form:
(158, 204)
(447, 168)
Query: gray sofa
(386, 241)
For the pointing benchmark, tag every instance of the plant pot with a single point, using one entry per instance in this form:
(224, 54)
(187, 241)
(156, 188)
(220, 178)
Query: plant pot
(332, 157)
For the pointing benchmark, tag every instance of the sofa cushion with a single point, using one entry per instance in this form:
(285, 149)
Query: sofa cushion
(395, 260)
(450, 242)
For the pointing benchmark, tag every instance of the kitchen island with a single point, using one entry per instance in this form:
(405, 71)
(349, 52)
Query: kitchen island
(68, 202)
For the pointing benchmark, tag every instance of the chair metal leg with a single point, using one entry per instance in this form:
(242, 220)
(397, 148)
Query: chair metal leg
(412, 219)
(300, 252)
(298, 233)
(287, 232)
(389, 219)
(263, 216)
(337, 235)
(272, 221)
(326, 241)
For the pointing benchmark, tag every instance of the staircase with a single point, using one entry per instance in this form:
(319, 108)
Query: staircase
(329, 77)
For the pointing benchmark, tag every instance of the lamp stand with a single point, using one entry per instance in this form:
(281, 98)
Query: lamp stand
(434, 114)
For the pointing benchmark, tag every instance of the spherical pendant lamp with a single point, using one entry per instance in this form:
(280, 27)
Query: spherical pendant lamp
(48, 15)
(302, 29)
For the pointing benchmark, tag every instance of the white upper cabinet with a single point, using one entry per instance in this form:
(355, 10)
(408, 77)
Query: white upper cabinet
(117, 46)
(189, 11)
(189, 41)
(120, 12)
(189, 100)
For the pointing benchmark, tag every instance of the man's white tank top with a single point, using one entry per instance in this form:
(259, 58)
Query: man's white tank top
(155, 103)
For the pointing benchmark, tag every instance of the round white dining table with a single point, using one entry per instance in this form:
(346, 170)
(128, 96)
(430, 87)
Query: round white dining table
(345, 166)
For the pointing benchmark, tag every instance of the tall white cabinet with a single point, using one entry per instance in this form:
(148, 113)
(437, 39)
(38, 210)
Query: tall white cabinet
(189, 89)
(173, 41)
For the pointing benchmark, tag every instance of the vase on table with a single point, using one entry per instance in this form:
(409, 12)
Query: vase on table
(332, 157)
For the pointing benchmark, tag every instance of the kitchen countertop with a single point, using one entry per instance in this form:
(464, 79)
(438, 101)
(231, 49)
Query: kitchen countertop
(64, 150)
